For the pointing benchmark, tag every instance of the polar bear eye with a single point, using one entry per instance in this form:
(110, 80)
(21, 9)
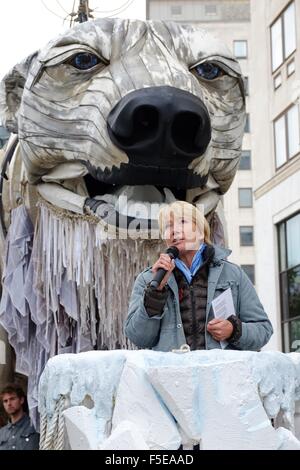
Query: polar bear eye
(84, 61)
(209, 71)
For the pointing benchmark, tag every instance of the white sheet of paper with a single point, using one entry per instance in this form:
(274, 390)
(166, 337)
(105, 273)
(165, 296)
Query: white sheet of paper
(223, 307)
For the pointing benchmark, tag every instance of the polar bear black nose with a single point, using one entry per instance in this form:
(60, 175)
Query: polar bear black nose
(160, 125)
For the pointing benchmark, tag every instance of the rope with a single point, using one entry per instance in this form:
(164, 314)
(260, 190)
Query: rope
(60, 437)
(53, 431)
(43, 429)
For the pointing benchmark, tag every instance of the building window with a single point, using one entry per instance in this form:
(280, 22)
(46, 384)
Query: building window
(176, 10)
(280, 141)
(245, 197)
(287, 135)
(240, 49)
(283, 36)
(289, 269)
(250, 271)
(246, 236)
(290, 68)
(277, 81)
(210, 10)
(247, 123)
(245, 161)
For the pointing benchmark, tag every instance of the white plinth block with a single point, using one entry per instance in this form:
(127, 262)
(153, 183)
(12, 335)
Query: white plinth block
(126, 436)
(137, 402)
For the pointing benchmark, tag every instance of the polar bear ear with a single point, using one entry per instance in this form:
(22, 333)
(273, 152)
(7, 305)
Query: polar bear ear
(11, 91)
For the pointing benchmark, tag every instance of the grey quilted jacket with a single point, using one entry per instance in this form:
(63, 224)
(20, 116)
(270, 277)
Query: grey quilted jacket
(165, 332)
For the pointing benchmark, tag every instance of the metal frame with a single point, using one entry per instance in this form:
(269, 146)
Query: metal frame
(6, 162)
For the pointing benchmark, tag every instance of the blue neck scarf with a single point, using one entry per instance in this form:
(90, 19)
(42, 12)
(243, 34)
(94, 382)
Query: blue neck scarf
(197, 262)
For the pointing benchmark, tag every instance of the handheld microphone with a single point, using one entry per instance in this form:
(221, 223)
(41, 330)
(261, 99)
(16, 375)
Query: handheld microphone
(173, 252)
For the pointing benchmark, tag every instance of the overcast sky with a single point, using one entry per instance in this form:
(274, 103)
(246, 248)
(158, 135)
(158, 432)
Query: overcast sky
(26, 25)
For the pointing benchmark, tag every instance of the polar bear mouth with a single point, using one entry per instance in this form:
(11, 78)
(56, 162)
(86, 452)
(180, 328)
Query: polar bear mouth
(136, 175)
(119, 203)
(131, 207)
(117, 200)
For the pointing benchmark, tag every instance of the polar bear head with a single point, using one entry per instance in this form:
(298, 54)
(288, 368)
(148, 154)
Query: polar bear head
(151, 111)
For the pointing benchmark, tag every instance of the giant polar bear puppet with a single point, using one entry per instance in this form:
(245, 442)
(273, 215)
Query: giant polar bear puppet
(114, 118)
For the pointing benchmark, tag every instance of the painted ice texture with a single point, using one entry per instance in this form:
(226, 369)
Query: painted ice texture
(159, 401)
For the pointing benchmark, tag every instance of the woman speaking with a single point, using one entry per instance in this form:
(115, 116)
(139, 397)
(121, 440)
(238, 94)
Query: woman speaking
(179, 311)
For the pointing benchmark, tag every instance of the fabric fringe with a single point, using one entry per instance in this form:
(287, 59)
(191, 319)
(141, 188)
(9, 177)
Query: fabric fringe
(83, 274)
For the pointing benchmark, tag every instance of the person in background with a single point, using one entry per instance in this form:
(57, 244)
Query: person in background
(179, 310)
(18, 434)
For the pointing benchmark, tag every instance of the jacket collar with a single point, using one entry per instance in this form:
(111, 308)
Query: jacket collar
(221, 253)
(18, 423)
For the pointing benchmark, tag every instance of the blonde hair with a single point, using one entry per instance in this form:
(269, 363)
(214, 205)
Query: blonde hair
(178, 209)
